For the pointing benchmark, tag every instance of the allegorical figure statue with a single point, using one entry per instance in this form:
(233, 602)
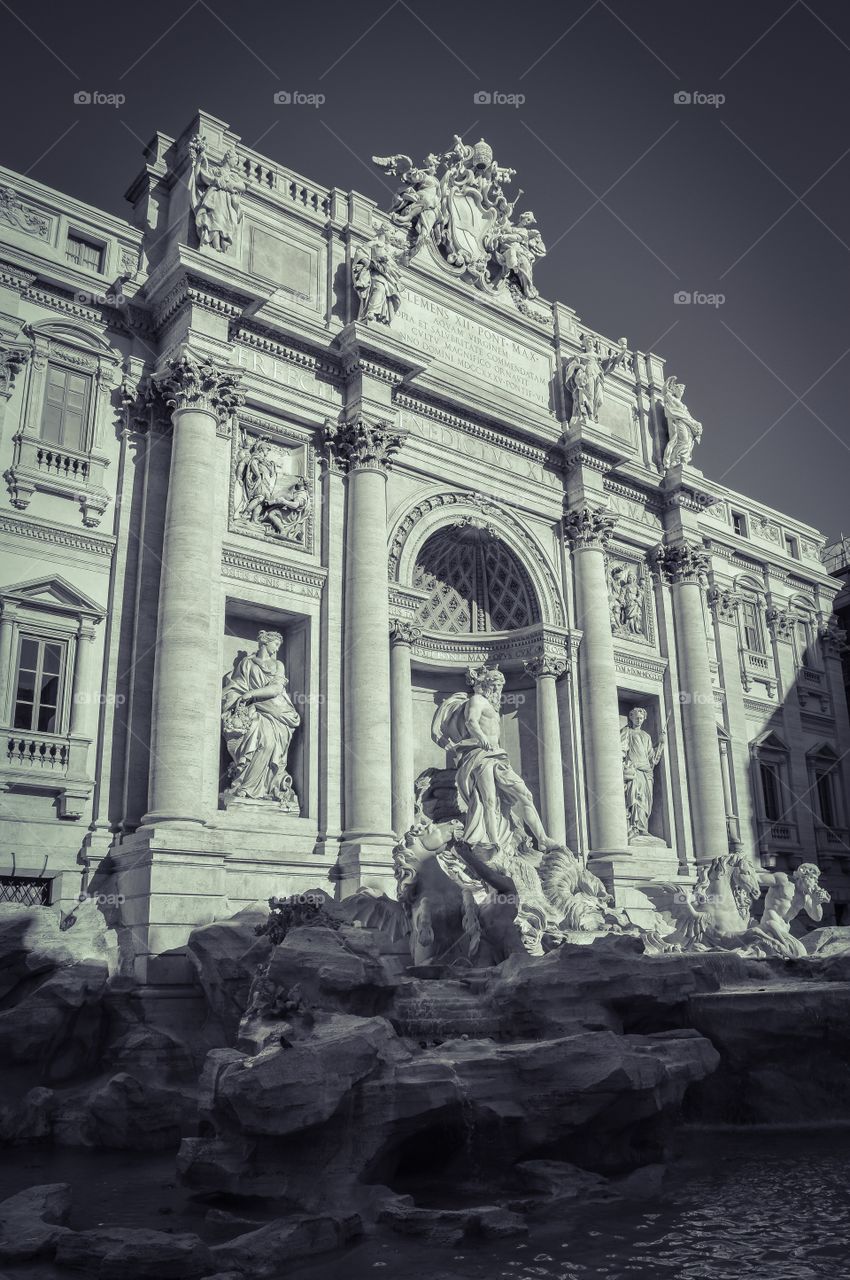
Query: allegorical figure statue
(377, 279)
(683, 430)
(416, 204)
(625, 602)
(516, 248)
(639, 760)
(261, 498)
(585, 376)
(258, 720)
(215, 192)
(786, 897)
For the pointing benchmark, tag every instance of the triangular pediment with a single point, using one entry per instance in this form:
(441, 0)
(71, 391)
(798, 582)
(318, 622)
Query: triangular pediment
(54, 595)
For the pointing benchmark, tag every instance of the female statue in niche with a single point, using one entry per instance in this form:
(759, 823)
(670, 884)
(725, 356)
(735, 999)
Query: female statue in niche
(258, 720)
(215, 192)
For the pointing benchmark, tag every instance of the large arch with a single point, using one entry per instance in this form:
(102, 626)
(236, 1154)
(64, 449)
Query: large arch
(415, 522)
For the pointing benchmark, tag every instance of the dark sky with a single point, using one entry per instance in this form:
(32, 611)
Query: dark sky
(637, 196)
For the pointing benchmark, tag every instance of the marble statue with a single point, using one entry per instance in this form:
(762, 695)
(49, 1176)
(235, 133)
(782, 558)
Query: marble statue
(786, 897)
(503, 847)
(458, 201)
(716, 912)
(625, 601)
(516, 248)
(376, 277)
(683, 430)
(261, 497)
(258, 720)
(584, 377)
(417, 202)
(640, 759)
(215, 192)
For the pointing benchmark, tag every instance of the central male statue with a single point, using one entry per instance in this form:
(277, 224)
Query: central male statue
(497, 802)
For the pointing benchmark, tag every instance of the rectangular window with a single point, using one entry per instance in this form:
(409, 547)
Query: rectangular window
(739, 523)
(38, 684)
(825, 798)
(801, 631)
(752, 630)
(66, 404)
(792, 547)
(84, 253)
(771, 788)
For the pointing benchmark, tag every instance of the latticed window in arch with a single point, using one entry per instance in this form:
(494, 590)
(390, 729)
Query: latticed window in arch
(474, 583)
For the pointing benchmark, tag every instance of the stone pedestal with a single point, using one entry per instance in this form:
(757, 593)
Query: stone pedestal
(589, 530)
(629, 872)
(199, 394)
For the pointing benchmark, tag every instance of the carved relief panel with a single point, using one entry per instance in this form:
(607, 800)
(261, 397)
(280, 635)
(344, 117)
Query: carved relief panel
(629, 597)
(272, 489)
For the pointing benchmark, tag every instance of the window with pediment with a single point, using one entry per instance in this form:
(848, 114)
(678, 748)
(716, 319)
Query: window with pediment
(474, 583)
(67, 403)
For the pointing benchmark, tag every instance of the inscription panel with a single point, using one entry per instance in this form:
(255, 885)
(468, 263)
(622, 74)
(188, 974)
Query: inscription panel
(474, 349)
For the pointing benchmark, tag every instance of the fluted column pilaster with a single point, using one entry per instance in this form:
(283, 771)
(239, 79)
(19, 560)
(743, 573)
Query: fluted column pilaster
(545, 672)
(589, 530)
(199, 394)
(403, 635)
(685, 566)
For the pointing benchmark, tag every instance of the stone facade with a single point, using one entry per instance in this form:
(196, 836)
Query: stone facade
(259, 405)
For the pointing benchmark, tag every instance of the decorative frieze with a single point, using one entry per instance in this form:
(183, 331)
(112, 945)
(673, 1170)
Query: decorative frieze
(589, 527)
(296, 580)
(362, 445)
(629, 664)
(22, 217)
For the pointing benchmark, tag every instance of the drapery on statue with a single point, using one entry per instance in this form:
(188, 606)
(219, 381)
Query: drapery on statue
(214, 192)
(376, 277)
(584, 378)
(683, 430)
(640, 758)
(261, 499)
(258, 720)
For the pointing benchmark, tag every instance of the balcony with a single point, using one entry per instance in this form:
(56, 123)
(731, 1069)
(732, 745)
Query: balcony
(757, 667)
(48, 762)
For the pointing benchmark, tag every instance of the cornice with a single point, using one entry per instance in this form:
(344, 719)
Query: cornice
(57, 535)
(469, 425)
(237, 563)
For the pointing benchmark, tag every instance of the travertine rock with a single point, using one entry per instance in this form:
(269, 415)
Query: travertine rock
(31, 1222)
(225, 955)
(130, 1253)
(451, 1226)
(261, 1254)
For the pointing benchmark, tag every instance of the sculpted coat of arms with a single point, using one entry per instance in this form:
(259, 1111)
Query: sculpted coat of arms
(458, 201)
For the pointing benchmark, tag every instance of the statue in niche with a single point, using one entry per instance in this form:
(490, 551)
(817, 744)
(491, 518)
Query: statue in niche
(585, 375)
(683, 430)
(417, 202)
(261, 497)
(640, 758)
(258, 720)
(376, 277)
(214, 192)
(625, 601)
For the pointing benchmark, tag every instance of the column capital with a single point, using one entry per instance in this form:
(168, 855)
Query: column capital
(546, 665)
(192, 380)
(403, 631)
(682, 562)
(833, 637)
(723, 603)
(13, 357)
(362, 444)
(780, 623)
(588, 527)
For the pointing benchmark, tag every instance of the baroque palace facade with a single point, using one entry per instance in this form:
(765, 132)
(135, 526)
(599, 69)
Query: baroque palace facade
(261, 421)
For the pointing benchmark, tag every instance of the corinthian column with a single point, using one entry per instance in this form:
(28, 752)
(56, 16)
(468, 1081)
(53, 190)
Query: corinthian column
(199, 394)
(402, 635)
(545, 671)
(589, 530)
(364, 449)
(685, 565)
